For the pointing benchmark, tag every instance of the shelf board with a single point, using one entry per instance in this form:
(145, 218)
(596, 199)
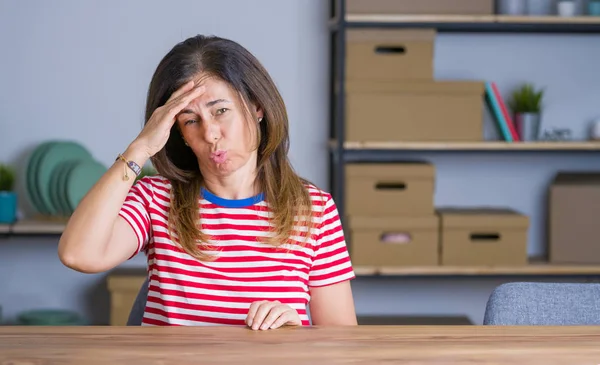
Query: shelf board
(532, 269)
(473, 146)
(36, 227)
(551, 19)
(4, 228)
(478, 23)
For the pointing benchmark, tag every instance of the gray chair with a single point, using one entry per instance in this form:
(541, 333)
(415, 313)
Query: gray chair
(139, 305)
(539, 304)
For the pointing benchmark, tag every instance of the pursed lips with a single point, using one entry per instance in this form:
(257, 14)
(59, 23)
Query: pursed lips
(218, 156)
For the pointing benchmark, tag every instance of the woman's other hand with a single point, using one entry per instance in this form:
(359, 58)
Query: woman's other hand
(156, 132)
(270, 315)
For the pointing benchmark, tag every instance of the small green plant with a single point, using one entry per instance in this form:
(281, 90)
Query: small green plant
(526, 99)
(7, 178)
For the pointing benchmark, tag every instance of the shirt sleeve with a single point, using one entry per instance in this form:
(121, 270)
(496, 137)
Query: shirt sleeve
(331, 264)
(136, 211)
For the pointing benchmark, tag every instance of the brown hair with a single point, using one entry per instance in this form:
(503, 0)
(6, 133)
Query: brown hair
(284, 191)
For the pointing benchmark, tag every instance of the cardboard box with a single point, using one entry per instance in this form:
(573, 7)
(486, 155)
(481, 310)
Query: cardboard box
(389, 54)
(484, 236)
(394, 241)
(421, 7)
(574, 218)
(424, 111)
(124, 286)
(383, 189)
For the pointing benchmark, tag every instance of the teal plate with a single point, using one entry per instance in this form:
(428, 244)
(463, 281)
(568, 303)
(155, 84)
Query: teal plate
(62, 188)
(49, 317)
(53, 157)
(57, 187)
(32, 170)
(81, 179)
(54, 185)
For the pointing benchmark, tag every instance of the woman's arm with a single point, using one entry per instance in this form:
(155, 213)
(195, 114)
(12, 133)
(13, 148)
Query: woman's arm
(333, 305)
(329, 278)
(96, 238)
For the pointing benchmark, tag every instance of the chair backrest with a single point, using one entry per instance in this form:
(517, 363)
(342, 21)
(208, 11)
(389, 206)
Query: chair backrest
(139, 305)
(538, 304)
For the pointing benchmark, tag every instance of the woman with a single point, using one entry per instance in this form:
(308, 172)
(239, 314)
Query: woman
(232, 235)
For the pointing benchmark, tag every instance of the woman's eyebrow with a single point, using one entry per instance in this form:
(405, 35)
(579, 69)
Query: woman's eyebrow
(213, 102)
(208, 105)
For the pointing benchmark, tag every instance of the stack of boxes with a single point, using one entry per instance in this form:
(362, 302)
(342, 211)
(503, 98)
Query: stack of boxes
(391, 214)
(391, 95)
(393, 221)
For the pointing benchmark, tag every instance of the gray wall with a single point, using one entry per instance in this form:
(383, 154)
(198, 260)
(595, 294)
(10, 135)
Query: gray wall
(79, 70)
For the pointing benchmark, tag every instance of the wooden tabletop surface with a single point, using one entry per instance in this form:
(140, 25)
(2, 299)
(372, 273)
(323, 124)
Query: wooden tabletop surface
(309, 345)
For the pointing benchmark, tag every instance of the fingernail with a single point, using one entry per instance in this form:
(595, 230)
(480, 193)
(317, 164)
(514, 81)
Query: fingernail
(264, 327)
(250, 323)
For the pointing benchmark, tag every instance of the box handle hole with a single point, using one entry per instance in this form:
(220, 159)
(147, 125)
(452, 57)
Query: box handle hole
(486, 237)
(393, 50)
(395, 237)
(390, 186)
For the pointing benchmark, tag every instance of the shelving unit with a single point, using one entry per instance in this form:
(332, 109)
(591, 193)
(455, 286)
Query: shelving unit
(343, 151)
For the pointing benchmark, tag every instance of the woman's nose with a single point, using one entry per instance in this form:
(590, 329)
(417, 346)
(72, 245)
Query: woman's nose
(212, 133)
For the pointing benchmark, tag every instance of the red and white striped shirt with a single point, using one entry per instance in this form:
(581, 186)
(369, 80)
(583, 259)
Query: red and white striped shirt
(186, 291)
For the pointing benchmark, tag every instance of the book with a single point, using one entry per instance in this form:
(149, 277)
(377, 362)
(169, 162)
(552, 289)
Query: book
(496, 112)
(507, 118)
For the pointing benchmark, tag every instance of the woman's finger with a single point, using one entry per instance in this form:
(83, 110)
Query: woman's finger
(182, 89)
(178, 104)
(261, 314)
(285, 317)
(252, 312)
(274, 314)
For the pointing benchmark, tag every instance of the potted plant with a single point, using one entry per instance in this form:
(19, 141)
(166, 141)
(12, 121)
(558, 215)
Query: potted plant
(8, 198)
(594, 7)
(526, 105)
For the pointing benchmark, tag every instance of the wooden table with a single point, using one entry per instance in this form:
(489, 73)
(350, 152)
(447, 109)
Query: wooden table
(288, 346)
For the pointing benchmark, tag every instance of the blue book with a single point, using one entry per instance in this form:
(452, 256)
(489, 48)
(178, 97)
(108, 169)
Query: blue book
(497, 112)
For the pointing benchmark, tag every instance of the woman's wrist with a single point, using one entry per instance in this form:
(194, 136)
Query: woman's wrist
(136, 153)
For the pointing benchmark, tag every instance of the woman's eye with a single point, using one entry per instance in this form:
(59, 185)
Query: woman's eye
(221, 111)
(187, 122)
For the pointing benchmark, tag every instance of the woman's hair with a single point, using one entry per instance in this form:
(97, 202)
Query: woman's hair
(285, 192)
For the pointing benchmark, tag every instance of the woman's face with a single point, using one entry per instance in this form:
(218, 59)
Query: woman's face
(217, 128)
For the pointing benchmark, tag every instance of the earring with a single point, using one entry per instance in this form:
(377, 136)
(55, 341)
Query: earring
(259, 119)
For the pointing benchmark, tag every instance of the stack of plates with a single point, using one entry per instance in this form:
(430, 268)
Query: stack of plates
(59, 174)
(49, 317)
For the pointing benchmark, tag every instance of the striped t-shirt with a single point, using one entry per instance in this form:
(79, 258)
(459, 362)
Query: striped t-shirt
(186, 291)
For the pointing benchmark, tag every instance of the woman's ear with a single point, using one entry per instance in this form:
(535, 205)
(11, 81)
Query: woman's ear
(259, 114)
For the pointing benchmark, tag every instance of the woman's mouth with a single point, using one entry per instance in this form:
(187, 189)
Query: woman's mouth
(218, 156)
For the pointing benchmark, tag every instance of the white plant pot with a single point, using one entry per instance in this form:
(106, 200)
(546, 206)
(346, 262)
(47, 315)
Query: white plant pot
(567, 8)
